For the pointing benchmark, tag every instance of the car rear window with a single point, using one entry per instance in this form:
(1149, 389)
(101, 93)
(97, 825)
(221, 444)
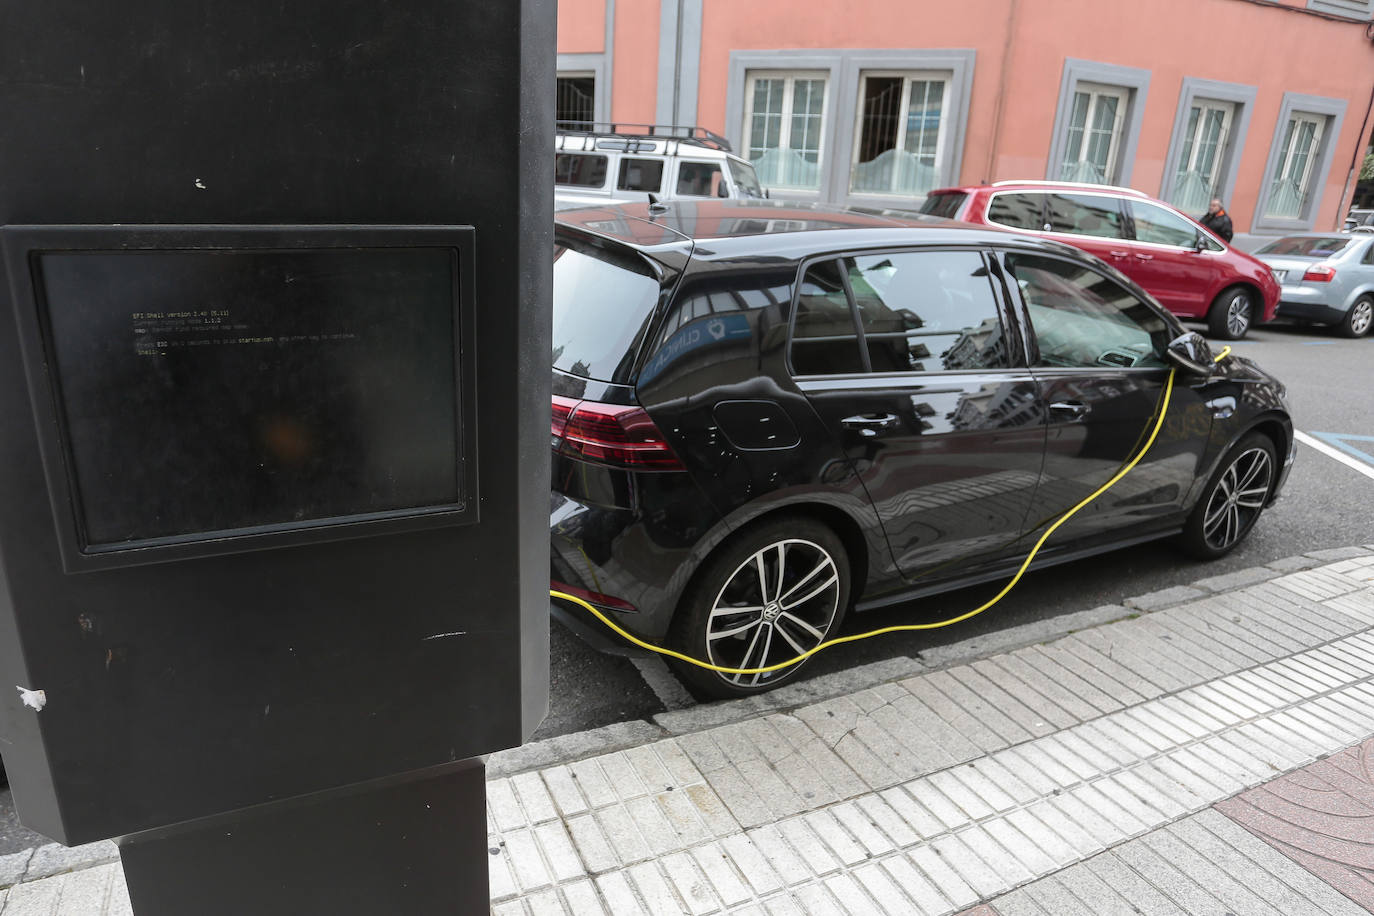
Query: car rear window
(945, 205)
(1305, 247)
(603, 301)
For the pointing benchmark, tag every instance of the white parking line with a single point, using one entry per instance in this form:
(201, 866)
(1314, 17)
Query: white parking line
(1336, 453)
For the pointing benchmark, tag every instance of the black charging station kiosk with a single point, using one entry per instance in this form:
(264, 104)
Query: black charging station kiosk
(273, 473)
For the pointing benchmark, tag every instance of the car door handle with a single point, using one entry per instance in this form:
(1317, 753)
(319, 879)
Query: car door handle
(868, 424)
(1119, 254)
(1074, 409)
(1144, 257)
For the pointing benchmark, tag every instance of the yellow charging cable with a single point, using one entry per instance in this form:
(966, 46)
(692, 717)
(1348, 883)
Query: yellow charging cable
(1159, 424)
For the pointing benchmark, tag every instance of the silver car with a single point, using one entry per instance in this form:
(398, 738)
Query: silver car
(1327, 278)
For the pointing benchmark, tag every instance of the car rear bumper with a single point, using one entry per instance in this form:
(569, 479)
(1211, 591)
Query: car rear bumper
(1309, 310)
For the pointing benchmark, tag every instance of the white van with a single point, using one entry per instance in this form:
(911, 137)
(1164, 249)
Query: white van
(615, 163)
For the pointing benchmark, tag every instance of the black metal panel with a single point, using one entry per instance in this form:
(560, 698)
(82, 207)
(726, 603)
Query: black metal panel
(211, 683)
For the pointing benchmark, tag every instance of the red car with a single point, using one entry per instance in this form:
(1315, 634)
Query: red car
(1191, 271)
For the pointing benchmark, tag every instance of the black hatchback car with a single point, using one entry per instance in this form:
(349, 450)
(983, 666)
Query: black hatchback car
(766, 415)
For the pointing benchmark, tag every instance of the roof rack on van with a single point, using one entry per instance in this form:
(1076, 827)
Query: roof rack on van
(593, 130)
(1070, 184)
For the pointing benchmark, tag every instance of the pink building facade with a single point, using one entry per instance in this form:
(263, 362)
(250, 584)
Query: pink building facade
(876, 102)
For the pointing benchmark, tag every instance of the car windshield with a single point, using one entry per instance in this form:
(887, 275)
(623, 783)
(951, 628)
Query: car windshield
(745, 177)
(1306, 246)
(603, 300)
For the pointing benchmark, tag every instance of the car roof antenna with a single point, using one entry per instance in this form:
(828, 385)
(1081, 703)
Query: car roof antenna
(655, 206)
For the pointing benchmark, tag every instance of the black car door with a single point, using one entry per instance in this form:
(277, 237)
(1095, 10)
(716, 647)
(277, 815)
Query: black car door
(907, 359)
(1097, 354)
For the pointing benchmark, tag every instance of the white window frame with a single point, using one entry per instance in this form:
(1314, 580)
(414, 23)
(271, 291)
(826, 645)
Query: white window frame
(1195, 92)
(1328, 114)
(790, 79)
(904, 107)
(1096, 92)
(1130, 85)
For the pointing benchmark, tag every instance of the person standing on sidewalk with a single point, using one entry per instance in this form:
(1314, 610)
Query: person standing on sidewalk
(1217, 219)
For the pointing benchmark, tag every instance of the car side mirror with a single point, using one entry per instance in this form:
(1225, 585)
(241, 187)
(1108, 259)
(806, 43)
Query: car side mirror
(1199, 243)
(1190, 352)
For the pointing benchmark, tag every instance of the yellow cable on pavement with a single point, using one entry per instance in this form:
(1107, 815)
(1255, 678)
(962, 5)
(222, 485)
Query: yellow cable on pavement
(1159, 423)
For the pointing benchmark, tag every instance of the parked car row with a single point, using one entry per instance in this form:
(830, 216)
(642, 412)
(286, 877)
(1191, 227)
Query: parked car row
(1189, 270)
(767, 415)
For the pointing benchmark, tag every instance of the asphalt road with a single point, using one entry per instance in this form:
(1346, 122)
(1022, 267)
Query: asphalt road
(1326, 504)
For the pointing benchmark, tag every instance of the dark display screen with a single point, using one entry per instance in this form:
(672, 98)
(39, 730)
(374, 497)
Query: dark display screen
(204, 392)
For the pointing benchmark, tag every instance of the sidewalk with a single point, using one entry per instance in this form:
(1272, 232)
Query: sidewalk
(1203, 750)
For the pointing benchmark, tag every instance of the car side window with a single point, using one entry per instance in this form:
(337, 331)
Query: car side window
(640, 174)
(1083, 319)
(825, 339)
(1368, 255)
(1157, 225)
(580, 169)
(1018, 210)
(1086, 214)
(700, 179)
(927, 311)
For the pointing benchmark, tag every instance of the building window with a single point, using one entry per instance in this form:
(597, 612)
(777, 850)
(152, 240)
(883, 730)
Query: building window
(1094, 137)
(1097, 123)
(575, 105)
(900, 133)
(1202, 159)
(1291, 183)
(783, 127)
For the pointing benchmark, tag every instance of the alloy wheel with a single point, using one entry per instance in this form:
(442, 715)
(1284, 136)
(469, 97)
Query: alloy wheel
(1238, 314)
(1361, 316)
(1237, 498)
(778, 604)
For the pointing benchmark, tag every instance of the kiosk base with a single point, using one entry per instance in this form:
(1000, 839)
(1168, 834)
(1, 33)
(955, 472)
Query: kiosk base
(416, 847)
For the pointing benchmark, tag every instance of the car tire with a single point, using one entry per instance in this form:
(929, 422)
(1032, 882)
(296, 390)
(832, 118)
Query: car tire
(759, 571)
(1358, 318)
(1232, 313)
(1233, 499)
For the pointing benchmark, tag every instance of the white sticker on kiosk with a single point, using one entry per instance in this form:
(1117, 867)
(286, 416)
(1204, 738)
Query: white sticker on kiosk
(34, 699)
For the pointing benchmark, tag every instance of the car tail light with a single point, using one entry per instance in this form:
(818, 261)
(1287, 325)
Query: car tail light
(1320, 273)
(615, 434)
(606, 601)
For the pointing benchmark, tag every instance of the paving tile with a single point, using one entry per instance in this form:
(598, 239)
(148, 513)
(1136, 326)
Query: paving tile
(885, 819)
(929, 796)
(582, 899)
(1053, 897)
(857, 824)
(1004, 864)
(619, 896)
(1109, 690)
(1084, 818)
(1162, 874)
(813, 851)
(959, 720)
(1059, 850)
(691, 884)
(591, 780)
(654, 888)
(1099, 660)
(1118, 643)
(1039, 767)
(850, 894)
(593, 847)
(562, 859)
(1184, 629)
(969, 866)
(1089, 888)
(534, 797)
(1036, 712)
(566, 795)
(753, 865)
(995, 770)
(714, 862)
(1105, 740)
(892, 896)
(1148, 899)
(1026, 850)
(939, 872)
(970, 803)
(989, 715)
(840, 842)
(914, 814)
